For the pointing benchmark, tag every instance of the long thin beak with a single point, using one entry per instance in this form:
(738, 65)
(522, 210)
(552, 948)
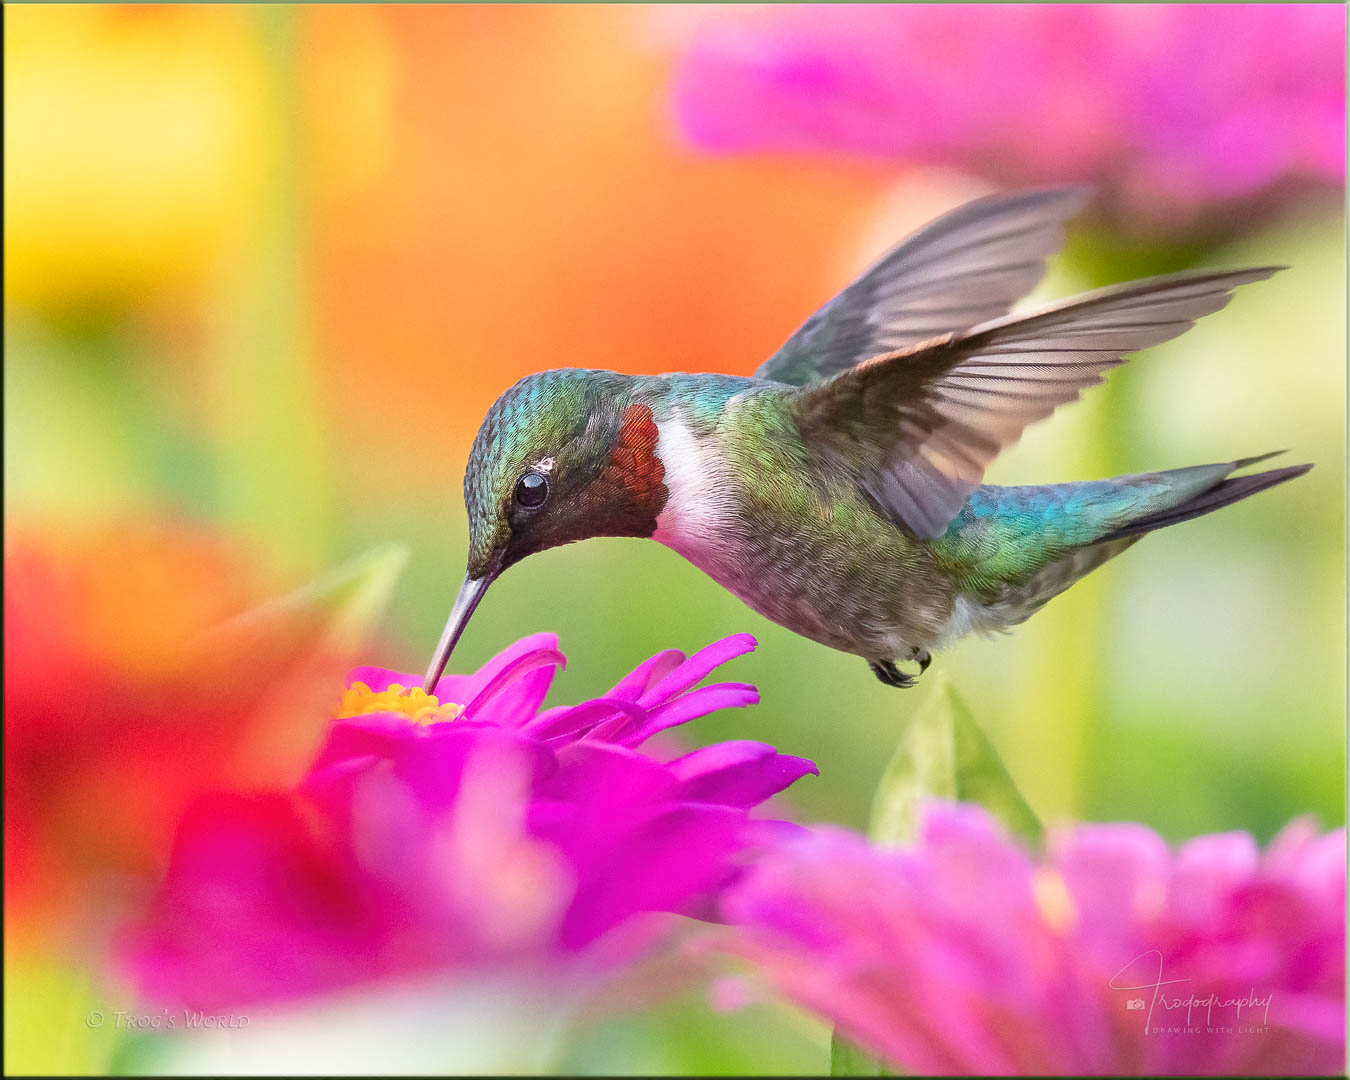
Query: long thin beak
(469, 594)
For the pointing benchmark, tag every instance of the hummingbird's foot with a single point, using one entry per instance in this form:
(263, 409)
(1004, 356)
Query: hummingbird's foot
(887, 672)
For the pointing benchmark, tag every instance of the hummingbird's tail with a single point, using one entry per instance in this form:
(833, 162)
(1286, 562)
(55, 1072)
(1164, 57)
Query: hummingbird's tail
(1014, 548)
(1228, 490)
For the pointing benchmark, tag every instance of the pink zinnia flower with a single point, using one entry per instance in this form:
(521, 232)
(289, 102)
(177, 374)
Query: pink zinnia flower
(430, 837)
(1169, 107)
(1109, 955)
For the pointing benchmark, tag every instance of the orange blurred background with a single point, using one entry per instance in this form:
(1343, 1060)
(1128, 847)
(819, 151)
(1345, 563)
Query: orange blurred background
(466, 242)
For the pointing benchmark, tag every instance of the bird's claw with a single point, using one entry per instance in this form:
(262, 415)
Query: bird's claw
(887, 672)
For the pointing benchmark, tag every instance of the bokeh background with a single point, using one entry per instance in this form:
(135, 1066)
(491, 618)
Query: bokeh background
(266, 269)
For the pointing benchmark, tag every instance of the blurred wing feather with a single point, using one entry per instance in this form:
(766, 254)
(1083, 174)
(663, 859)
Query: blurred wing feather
(921, 425)
(968, 266)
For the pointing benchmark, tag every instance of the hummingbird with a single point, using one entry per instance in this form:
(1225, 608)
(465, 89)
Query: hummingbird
(839, 490)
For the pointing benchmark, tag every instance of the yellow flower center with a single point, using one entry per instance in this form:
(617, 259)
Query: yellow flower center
(360, 700)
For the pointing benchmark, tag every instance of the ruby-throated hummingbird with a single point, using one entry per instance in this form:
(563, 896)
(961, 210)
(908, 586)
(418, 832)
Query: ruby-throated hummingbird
(838, 491)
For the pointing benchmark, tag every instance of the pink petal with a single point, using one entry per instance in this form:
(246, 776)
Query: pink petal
(618, 775)
(254, 906)
(647, 674)
(517, 689)
(558, 723)
(359, 739)
(464, 688)
(737, 773)
(1116, 874)
(697, 668)
(667, 862)
(701, 702)
(1206, 873)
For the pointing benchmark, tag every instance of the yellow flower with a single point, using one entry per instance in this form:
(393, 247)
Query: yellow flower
(138, 141)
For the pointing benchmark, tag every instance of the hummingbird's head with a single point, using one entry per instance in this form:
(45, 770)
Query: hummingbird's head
(562, 455)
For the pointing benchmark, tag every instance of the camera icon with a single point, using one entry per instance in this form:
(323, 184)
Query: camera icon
(1135, 1004)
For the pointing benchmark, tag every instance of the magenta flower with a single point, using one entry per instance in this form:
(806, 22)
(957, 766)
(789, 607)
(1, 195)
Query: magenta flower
(1170, 107)
(428, 837)
(1110, 955)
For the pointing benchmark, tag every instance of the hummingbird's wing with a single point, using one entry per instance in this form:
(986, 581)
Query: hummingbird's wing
(969, 265)
(919, 426)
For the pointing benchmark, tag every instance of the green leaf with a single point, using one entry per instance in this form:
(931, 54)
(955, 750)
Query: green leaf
(338, 611)
(282, 662)
(850, 1059)
(354, 596)
(943, 754)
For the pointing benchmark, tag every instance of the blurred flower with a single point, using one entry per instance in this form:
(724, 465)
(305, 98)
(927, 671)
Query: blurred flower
(431, 837)
(123, 651)
(93, 626)
(1109, 955)
(432, 258)
(1171, 107)
(138, 141)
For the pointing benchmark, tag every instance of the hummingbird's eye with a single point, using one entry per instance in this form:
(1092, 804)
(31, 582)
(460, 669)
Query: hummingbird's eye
(531, 490)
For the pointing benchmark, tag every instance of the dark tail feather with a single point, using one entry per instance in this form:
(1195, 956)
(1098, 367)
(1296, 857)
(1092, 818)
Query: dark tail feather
(1221, 494)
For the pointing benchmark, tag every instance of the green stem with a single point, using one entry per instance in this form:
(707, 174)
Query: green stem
(272, 462)
(1063, 697)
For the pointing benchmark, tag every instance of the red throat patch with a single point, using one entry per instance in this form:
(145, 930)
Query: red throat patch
(633, 466)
